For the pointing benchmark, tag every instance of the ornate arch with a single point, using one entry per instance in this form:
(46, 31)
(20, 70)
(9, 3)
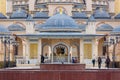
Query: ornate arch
(58, 8)
(20, 24)
(62, 45)
(79, 22)
(74, 43)
(40, 22)
(99, 24)
(43, 45)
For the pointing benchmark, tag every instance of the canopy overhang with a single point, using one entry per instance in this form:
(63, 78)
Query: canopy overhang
(61, 35)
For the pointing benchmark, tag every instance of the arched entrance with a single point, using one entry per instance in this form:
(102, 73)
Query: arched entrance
(60, 53)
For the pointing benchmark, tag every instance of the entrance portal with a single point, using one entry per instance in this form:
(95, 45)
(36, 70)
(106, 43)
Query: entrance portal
(60, 50)
(60, 53)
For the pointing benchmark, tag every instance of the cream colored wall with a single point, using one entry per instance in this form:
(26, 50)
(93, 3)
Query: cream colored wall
(118, 52)
(32, 5)
(75, 51)
(111, 6)
(9, 6)
(52, 7)
(29, 28)
(91, 29)
(95, 48)
(3, 6)
(81, 48)
(46, 50)
(117, 6)
(89, 5)
(20, 47)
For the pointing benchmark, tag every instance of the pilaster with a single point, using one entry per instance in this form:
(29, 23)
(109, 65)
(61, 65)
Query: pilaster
(24, 48)
(88, 5)
(94, 48)
(39, 50)
(27, 49)
(81, 52)
(31, 5)
(9, 6)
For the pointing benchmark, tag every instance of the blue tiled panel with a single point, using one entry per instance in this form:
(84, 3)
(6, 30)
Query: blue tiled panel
(116, 30)
(29, 18)
(19, 14)
(38, 15)
(117, 16)
(2, 16)
(81, 15)
(61, 34)
(15, 27)
(82, 26)
(41, 6)
(3, 29)
(91, 19)
(60, 21)
(104, 27)
(101, 14)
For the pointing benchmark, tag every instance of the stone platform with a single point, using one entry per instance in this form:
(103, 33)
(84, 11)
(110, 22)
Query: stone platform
(59, 72)
(62, 66)
(37, 74)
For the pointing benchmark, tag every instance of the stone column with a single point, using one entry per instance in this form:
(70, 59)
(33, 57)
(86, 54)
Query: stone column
(49, 52)
(39, 50)
(94, 48)
(27, 49)
(31, 5)
(81, 52)
(9, 6)
(52, 55)
(69, 55)
(111, 6)
(88, 5)
(24, 49)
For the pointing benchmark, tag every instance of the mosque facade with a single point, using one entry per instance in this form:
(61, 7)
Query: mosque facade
(60, 30)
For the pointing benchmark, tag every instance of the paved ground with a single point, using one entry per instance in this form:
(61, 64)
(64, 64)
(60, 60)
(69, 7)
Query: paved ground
(38, 67)
(33, 67)
(88, 66)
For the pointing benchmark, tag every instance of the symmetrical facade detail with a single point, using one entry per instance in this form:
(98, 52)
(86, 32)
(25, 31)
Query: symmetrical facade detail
(60, 30)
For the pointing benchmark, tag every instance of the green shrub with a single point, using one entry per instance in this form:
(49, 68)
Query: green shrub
(1, 64)
(116, 64)
(12, 64)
